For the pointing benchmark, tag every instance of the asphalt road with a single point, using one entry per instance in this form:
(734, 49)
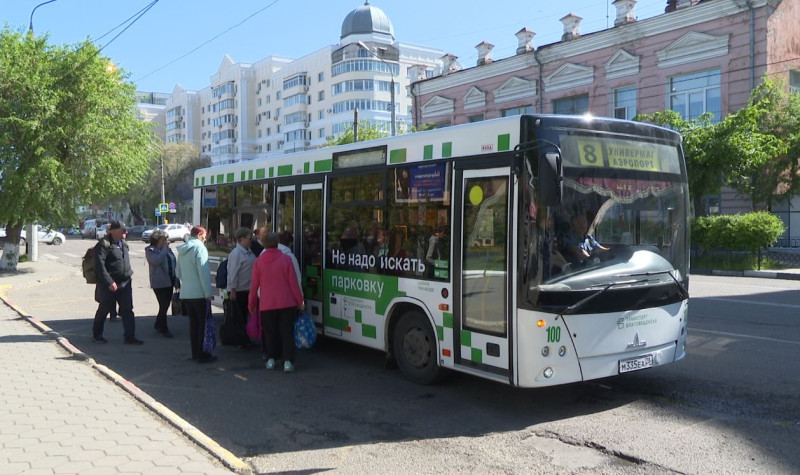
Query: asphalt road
(731, 406)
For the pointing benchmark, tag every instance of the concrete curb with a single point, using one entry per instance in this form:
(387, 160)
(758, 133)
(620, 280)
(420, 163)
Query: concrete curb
(761, 274)
(222, 454)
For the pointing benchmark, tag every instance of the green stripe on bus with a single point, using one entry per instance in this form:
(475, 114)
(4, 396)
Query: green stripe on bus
(261, 173)
(477, 356)
(229, 179)
(284, 170)
(243, 176)
(466, 338)
(369, 331)
(196, 182)
(503, 142)
(271, 172)
(358, 316)
(250, 175)
(427, 152)
(397, 156)
(306, 167)
(440, 332)
(220, 179)
(323, 165)
(447, 149)
(203, 180)
(212, 180)
(447, 320)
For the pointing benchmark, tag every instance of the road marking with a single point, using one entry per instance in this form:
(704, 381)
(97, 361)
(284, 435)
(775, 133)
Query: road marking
(738, 335)
(782, 305)
(71, 255)
(50, 256)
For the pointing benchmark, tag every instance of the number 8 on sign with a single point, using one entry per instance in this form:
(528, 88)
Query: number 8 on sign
(591, 153)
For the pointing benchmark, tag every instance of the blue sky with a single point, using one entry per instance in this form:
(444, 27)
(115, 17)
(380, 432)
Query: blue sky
(149, 50)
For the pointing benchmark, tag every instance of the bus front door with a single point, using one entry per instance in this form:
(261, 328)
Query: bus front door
(481, 277)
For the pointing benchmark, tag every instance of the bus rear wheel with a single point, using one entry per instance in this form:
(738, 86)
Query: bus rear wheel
(415, 349)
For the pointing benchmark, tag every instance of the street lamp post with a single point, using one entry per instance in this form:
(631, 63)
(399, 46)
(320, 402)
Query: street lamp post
(30, 24)
(391, 72)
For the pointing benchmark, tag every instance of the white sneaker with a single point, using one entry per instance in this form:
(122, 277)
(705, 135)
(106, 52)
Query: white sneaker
(271, 363)
(288, 367)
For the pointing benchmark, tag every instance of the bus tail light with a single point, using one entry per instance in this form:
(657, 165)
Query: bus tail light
(446, 352)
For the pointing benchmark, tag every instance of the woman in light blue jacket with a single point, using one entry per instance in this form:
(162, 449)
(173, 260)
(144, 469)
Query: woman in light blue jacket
(195, 276)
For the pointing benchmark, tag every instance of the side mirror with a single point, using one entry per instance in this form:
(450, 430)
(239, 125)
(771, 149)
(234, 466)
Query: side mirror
(551, 179)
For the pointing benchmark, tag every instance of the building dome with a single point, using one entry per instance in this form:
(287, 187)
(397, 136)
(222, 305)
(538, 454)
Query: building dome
(367, 19)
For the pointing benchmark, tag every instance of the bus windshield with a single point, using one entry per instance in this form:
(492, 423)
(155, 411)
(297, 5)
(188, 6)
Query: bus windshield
(622, 220)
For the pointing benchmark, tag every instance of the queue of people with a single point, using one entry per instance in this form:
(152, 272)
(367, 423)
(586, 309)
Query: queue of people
(266, 284)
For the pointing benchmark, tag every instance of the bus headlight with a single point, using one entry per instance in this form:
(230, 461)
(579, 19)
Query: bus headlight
(548, 372)
(545, 351)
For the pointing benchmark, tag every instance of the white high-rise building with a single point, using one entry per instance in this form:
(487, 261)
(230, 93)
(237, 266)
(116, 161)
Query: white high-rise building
(281, 105)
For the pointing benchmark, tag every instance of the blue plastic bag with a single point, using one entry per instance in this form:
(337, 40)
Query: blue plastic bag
(305, 333)
(210, 333)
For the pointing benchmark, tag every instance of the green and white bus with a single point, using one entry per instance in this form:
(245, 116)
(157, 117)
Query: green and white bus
(531, 250)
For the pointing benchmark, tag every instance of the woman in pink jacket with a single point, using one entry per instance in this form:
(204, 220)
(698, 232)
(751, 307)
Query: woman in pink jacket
(275, 293)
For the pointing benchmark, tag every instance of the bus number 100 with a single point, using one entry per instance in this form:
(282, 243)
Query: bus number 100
(553, 334)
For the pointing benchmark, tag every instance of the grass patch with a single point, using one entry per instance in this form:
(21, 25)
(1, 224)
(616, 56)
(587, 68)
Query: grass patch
(734, 262)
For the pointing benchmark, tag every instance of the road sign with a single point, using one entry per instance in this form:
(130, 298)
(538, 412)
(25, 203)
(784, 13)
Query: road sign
(163, 207)
(158, 211)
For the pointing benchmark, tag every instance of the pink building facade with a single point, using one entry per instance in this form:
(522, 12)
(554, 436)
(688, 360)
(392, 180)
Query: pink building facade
(696, 57)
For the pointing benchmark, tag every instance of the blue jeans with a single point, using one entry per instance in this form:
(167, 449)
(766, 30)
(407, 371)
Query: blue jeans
(108, 300)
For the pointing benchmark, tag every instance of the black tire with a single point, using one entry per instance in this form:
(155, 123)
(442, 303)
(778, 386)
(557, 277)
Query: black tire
(56, 241)
(414, 347)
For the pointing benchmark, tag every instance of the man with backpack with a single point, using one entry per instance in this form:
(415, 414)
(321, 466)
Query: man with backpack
(113, 272)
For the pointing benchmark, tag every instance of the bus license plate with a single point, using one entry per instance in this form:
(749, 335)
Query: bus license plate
(634, 364)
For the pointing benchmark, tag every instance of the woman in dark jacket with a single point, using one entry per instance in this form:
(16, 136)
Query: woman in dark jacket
(161, 261)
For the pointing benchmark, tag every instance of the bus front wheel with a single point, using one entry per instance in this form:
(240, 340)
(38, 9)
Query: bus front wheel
(415, 349)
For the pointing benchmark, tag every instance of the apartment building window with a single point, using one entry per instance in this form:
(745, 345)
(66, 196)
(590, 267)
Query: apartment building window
(269, 130)
(691, 95)
(320, 96)
(572, 105)
(321, 133)
(269, 147)
(259, 102)
(475, 118)
(320, 114)
(517, 111)
(794, 81)
(320, 77)
(625, 103)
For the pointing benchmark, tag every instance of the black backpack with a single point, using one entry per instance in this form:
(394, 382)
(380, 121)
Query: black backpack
(222, 274)
(87, 264)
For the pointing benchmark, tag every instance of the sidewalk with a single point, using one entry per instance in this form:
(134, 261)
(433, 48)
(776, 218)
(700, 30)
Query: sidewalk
(61, 412)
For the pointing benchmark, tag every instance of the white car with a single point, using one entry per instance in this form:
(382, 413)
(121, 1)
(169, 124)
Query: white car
(176, 232)
(100, 231)
(46, 235)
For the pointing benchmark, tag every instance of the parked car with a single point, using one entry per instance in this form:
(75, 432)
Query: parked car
(46, 235)
(176, 232)
(135, 232)
(100, 231)
(50, 236)
(90, 227)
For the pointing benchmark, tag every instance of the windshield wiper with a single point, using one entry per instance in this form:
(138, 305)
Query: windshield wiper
(572, 309)
(683, 291)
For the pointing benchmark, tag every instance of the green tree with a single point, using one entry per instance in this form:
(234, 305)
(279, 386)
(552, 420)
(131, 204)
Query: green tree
(704, 165)
(770, 125)
(180, 162)
(365, 132)
(69, 133)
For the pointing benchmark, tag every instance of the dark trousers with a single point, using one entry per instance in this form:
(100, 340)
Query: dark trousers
(108, 301)
(164, 298)
(196, 310)
(239, 310)
(277, 333)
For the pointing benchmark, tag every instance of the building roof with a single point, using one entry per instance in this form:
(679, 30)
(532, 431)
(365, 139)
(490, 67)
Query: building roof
(367, 19)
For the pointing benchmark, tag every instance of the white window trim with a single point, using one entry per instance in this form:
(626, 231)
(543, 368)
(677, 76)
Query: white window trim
(569, 76)
(622, 64)
(692, 47)
(513, 89)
